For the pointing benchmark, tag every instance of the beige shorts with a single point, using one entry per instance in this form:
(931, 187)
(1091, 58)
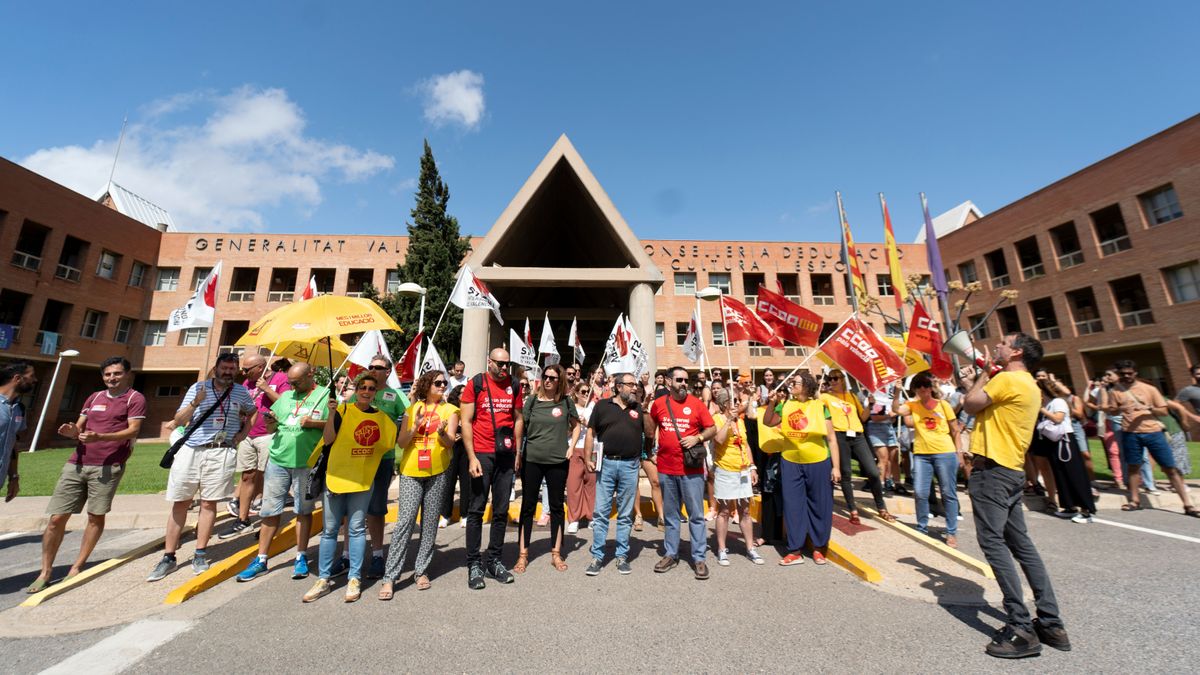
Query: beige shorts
(84, 484)
(207, 471)
(252, 453)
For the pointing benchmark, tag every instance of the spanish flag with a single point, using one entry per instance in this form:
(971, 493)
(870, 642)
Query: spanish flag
(850, 257)
(893, 256)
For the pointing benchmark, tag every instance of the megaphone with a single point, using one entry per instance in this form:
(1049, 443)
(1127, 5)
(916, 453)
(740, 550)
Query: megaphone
(960, 345)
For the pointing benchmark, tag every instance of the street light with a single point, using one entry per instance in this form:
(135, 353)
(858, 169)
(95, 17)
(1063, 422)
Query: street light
(708, 294)
(69, 354)
(409, 289)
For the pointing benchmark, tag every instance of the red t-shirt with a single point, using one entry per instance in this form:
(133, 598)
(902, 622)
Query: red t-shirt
(693, 418)
(107, 414)
(498, 397)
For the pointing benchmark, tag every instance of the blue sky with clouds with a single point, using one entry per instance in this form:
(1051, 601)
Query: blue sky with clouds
(701, 120)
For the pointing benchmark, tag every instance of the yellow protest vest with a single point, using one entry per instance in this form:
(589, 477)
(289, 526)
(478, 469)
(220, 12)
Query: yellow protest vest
(362, 441)
(801, 433)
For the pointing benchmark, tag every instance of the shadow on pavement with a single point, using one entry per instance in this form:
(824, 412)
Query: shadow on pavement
(962, 598)
(21, 540)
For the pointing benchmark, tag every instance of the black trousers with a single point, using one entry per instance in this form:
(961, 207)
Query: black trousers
(857, 446)
(1070, 476)
(497, 479)
(459, 472)
(532, 474)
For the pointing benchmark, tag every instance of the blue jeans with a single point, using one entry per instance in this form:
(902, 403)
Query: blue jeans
(945, 465)
(1080, 437)
(687, 491)
(617, 477)
(353, 506)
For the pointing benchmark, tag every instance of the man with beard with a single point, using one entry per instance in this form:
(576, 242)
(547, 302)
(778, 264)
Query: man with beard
(16, 380)
(617, 423)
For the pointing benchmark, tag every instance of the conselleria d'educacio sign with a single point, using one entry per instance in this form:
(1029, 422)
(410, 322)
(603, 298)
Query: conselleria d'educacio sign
(758, 256)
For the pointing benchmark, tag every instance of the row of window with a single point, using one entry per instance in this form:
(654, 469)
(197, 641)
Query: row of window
(71, 259)
(285, 282)
(685, 284)
(1159, 206)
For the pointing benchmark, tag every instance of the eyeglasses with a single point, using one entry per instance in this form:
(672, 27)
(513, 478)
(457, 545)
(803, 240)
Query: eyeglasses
(439, 383)
(379, 368)
(626, 384)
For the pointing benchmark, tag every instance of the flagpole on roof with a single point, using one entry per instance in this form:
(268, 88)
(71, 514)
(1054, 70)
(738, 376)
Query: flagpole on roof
(120, 139)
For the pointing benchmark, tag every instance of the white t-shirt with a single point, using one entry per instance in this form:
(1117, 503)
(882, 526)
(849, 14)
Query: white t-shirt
(585, 413)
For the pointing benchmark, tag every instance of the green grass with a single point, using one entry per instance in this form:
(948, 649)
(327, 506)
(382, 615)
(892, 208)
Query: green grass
(1100, 461)
(40, 470)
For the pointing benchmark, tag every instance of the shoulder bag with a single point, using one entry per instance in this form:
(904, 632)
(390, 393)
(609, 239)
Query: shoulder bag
(168, 457)
(693, 457)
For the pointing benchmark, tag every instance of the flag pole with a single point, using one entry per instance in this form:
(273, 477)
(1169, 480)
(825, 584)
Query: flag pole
(700, 334)
(728, 352)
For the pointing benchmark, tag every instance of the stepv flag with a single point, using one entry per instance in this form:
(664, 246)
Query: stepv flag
(372, 345)
(693, 347)
(617, 354)
(790, 321)
(743, 324)
(899, 290)
(576, 345)
(200, 309)
(310, 291)
(522, 354)
(857, 349)
(850, 257)
(637, 350)
(432, 361)
(471, 293)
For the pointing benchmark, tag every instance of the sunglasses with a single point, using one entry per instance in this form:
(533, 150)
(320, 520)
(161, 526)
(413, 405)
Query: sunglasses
(833, 378)
(681, 379)
(585, 391)
(379, 368)
(501, 364)
(439, 383)
(550, 378)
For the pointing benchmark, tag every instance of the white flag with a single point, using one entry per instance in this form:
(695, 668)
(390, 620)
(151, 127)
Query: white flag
(310, 291)
(369, 346)
(619, 355)
(199, 310)
(521, 353)
(637, 350)
(471, 293)
(693, 348)
(432, 361)
(547, 345)
(575, 343)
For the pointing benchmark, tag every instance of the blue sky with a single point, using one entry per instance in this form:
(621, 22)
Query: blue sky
(700, 120)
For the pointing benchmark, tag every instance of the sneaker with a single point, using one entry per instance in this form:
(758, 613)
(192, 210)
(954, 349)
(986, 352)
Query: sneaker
(200, 563)
(163, 568)
(1081, 518)
(340, 567)
(623, 566)
(819, 558)
(594, 567)
(256, 506)
(901, 490)
(701, 570)
(952, 541)
(475, 580)
(1064, 514)
(256, 568)
(573, 527)
(1013, 643)
(497, 571)
(723, 557)
(1052, 637)
(442, 523)
(353, 590)
(544, 520)
(792, 559)
(319, 590)
(375, 569)
(755, 557)
(238, 527)
(665, 564)
(300, 569)
(232, 507)
(462, 523)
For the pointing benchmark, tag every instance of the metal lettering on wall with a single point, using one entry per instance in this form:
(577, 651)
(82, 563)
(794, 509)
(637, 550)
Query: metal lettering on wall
(269, 245)
(756, 257)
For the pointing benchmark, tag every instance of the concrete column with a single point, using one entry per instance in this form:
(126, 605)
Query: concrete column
(474, 349)
(641, 315)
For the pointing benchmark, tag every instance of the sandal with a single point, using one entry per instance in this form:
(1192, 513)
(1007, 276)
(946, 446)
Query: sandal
(637, 524)
(385, 591)
(885, 516)
(557, 561)
(1131, 506)
(522, 562)
(422, 583)
(37, 586)
(1193, 512)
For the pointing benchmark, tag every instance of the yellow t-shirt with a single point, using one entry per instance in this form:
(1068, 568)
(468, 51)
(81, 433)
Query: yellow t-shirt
(1004, 430)
(932, 427)
(803, 427)
(426, 438)
(734, 453)
(362, 441)
(844, 411)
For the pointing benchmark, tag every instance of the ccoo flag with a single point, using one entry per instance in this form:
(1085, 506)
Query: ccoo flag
(742, 324)
(791, 322)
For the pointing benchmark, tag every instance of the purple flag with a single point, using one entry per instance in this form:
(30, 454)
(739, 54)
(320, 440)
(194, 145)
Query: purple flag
(933, 255)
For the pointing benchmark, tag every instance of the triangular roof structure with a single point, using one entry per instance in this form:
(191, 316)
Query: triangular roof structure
(963, 214)
(139, 208)
(561, 225)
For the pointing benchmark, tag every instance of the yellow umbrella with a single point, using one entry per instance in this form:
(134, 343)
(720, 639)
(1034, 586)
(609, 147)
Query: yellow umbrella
(314, 351)
(322, 316)
(913, 361)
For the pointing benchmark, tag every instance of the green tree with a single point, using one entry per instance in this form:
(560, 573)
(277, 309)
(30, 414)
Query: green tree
(435, 252)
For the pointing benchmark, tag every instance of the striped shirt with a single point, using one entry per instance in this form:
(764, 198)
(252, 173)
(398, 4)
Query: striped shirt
(226, 420)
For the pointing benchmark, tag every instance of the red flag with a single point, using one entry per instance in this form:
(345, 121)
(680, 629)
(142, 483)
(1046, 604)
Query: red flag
(859, 350)
(310, 291)
(406, 368)
(790, 321)
(743, 324)
(924, 337)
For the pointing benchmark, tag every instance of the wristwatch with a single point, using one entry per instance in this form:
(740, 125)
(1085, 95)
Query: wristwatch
(14, 476)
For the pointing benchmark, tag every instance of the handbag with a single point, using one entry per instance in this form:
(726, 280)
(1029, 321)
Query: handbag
(693, 457)
(168, 457)
(502, 436)
(316, 475)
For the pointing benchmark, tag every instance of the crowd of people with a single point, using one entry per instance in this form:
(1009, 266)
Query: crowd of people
(579, 444)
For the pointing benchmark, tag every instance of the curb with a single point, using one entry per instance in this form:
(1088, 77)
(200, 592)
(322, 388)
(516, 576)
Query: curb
(852, 563)
(932, 544)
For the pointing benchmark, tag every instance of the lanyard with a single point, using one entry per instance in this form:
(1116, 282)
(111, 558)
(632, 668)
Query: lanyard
(296, 412)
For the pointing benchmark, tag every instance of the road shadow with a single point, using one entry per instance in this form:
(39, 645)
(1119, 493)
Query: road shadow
(29, 538)
(962, 598)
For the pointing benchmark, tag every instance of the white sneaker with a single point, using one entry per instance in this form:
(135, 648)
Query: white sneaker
(442, 522)
(462, 522)
(723, 557)
(573, 527)
(1081, 518)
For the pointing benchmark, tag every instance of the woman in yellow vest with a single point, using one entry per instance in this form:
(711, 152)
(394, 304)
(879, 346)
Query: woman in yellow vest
(734, 472)
(808, 468)
(935, 451)
(357, 437)
(427, 436)
(847, 414)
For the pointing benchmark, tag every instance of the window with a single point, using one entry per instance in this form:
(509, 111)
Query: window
(718, 335)
(721, 280)
(1010, 320)
(28, 252)
(822, 288)
(1066, 245)
(70, 260)
(1045, 322)
(12, 309)
(168, 279)
(1161, 205)
(92, 320)
(283, 285)
(124, 328)
(194, 337)
(199, 274)
(1084, 311)
(685, 283)
(827, 329)
(750, 284)
(997, 268)
(169, 391)
(966, 272)
(393, 281)
(1030, 258)
(791, 286)
(358, 281)
(107, 267)
(660, 339)
(137, 274)
(892, 329)
(67, 403)
(1132, 304)
(884, 283)
(1183, 281)
(681, 329)
(979, 328)
(241, 288)
(1110, 230)
(155, 334)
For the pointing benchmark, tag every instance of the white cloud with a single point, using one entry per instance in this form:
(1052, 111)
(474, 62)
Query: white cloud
(454, 98)
(249, 152)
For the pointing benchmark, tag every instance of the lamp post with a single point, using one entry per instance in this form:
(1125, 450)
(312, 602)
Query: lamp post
(409, 289)
(708, 294)
(69, 354)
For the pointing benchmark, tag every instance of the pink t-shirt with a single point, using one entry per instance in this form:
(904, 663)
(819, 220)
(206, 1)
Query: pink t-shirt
(109, 414)
(279, 384)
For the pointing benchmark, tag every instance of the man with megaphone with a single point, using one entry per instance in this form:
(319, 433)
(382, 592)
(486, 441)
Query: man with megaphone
(1005, 400)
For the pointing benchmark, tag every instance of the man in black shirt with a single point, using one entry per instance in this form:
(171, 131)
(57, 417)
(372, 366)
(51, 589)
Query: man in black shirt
(616, 425)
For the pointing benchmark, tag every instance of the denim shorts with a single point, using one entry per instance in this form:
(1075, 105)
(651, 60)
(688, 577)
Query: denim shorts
(1156, 442)
(882, 434)
(277, 481)
(379, 489)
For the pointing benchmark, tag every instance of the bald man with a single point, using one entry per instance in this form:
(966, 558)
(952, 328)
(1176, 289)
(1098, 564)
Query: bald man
(492, 428)
(265, 386)
(297, 419)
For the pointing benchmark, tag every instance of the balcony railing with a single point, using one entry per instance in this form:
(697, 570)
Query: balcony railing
(281, 296)
(1089, 326)
(1070, 259)
(354, 294)
(823, 299)
(1116, 245)
(26, 260)
(67, 272)
(751, 300)
(241, 296)
(1000, 281)
(793, 351)
(1049, 333)
(231, 349)
(760, 351)
(41, 336)
(1139, 317)
(1033, 271)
